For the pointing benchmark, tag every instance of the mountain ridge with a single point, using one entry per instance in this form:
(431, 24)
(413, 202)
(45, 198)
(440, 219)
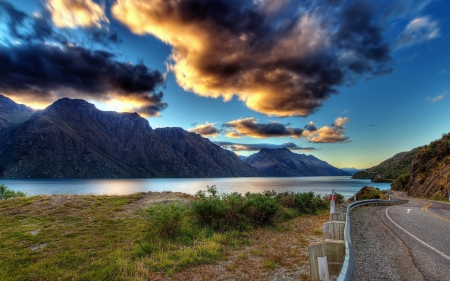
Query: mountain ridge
(281, 162)
(72, 138)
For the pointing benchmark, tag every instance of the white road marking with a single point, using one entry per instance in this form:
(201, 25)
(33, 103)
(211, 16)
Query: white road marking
(408, 210)
(410, 234)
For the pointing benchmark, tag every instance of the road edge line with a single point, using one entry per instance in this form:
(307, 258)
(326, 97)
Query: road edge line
(412, 235)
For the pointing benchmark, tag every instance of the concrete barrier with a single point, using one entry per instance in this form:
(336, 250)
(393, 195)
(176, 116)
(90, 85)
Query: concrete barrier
(334, 250)
(337, 247)
(337, 217)
(334, 230)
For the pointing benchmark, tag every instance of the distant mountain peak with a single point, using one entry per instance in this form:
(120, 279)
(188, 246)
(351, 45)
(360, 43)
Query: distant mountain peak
(281, 162)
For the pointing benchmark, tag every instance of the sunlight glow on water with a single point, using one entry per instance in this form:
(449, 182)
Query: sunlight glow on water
(320, 185)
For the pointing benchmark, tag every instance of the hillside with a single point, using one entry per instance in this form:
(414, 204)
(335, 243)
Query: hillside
(281, 162)
(12, 113)
(390, 169)
(73, 139)
(429, 174)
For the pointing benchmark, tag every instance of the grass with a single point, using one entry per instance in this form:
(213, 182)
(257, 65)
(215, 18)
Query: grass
(68, 237)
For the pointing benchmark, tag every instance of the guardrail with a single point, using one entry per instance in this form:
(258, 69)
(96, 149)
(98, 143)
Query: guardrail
(348, 267)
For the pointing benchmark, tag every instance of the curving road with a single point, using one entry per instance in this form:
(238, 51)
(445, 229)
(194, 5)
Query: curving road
(412, 240)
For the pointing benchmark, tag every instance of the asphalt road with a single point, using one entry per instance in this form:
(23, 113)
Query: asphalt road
(424, 228)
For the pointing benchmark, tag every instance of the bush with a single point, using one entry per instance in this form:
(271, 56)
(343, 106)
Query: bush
(167, 220)
(219, 212)
(259, 208)
(304, 202)
(6, 193)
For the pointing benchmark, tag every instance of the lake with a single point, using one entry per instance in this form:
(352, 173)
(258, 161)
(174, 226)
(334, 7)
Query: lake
(320, 185)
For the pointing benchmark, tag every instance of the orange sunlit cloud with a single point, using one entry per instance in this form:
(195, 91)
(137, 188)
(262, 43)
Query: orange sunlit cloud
(251, 128)
(76, 13)
(328, 134)
(285, 69)
(206, 130)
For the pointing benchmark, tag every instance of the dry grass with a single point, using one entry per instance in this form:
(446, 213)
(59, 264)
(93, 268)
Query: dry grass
(271, 255)
(68, 237)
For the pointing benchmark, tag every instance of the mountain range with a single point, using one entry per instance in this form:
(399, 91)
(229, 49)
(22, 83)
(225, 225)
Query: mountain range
(281, 162)
(73, 139)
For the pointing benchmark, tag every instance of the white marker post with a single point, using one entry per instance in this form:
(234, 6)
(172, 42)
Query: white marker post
(324, 274)
(448, 195)
(332, 201)
(354, 197)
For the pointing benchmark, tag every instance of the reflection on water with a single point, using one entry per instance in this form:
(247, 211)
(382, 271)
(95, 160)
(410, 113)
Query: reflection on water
(320, 185)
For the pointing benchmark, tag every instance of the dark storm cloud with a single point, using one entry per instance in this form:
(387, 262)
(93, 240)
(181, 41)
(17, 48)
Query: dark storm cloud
(258, 146)
(282, 59)
(250, 127)
(40, 64)
(46, 72)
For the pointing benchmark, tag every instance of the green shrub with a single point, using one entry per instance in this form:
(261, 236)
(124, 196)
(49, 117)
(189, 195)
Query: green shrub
(303, 202)
(219, 212)
(259, 208)
(167, 219)
(6, 193)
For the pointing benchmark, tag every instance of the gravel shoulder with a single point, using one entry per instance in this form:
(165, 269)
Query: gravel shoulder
(379, 253)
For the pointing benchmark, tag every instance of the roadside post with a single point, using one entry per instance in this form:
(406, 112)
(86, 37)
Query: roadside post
(354, 197)
(448, 191)
(332, 201)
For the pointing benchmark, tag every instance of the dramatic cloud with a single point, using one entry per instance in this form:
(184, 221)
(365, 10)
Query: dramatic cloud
(258, 146)
(46, 72)
(207, 130)
(329, 134)
(438, 98)
(418, 30)
(279, 57)
(250, 127)
(76, 13)
(40, 64)
(311, 126)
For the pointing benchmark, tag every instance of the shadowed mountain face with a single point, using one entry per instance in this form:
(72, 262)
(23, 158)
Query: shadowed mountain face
(428, 174)
(281, 162)
(12, 113)
(73, 139)
(389, 169)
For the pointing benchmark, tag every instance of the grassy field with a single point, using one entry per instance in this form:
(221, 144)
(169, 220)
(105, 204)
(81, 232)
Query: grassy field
(68, 237)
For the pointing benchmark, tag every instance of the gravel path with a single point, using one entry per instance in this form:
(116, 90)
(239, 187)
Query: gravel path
(379, 253)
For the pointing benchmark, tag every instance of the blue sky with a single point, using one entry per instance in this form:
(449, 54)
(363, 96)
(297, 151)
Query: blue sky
(350, 82)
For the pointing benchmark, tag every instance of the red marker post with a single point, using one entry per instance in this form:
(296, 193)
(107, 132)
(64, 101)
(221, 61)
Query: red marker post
(332, 201)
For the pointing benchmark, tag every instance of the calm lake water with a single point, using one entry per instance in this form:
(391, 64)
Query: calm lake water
(320, 185)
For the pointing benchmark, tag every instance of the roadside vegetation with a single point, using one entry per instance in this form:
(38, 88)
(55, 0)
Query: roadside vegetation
(370, 192)
(69, 237)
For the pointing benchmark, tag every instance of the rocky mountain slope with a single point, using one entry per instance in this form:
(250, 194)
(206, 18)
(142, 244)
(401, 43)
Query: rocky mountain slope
(12, 113)
(429, 173)
(281, 162)
(390, 169)
(73, 139)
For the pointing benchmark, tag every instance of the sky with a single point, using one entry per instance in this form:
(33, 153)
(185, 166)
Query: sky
(350, 82)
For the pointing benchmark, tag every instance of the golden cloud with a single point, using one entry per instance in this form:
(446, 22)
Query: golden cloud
(251, 128)
(207, 129)
(76, 13)
(278, 64)
(328, 134)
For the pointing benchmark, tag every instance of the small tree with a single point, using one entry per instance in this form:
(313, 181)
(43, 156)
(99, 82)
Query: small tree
(6, 193)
